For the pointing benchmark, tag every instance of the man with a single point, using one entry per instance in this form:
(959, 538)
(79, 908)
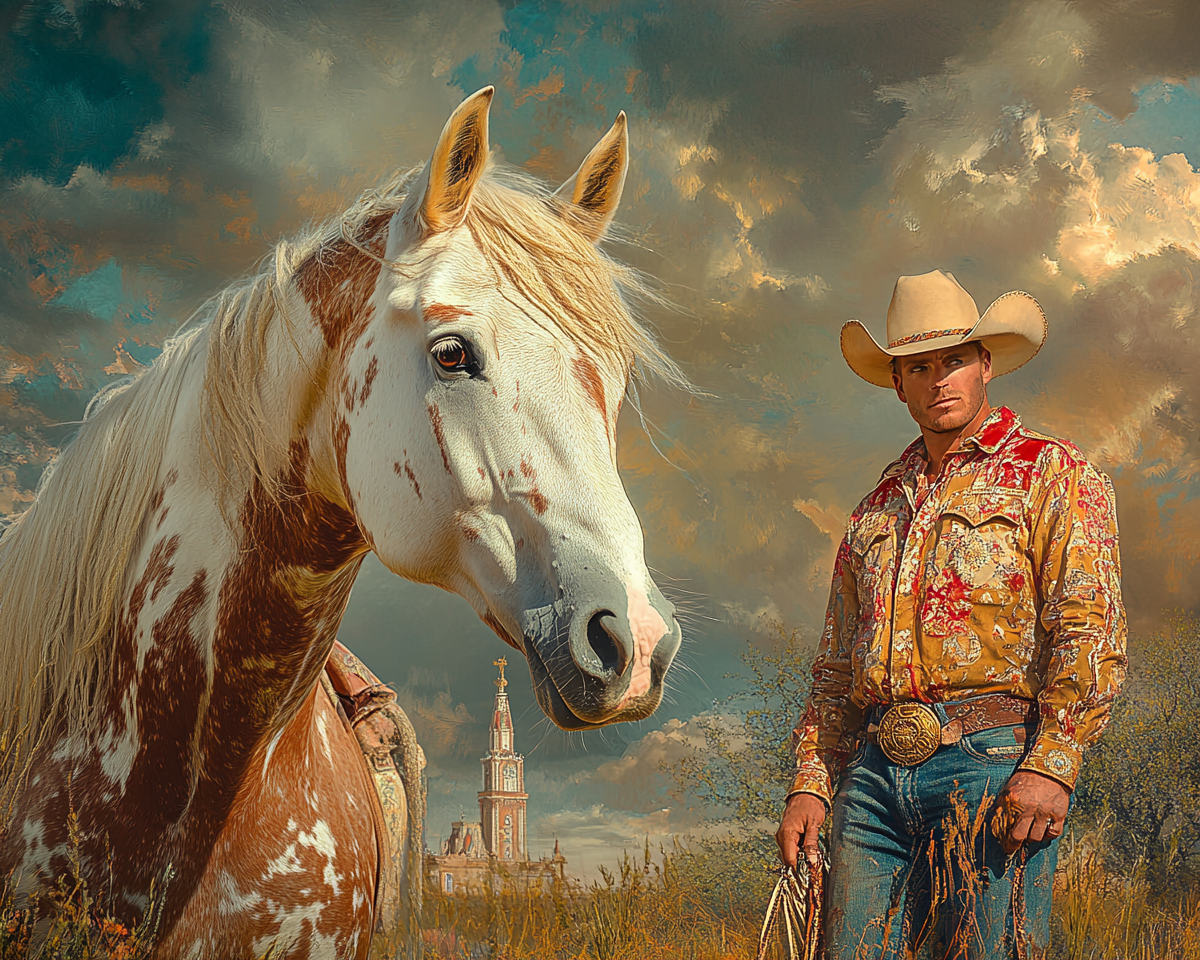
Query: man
(973, 645)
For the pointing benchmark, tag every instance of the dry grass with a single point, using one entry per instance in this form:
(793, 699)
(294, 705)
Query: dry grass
(647, 910)
(659, 909)
(650, 908)
(1101, 915)
(71, 922)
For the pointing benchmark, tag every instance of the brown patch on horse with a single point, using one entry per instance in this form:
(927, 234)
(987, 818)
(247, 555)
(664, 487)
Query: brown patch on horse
(144, 819)
(587, 374)
(278, 606)
(337, 281)
(170, 691)
(159, 568)
(406, 470)
(341, 444)
(368, 379)
(536, 498)
(443, 312)
(537, 501)
(278, 609)
(435, 418)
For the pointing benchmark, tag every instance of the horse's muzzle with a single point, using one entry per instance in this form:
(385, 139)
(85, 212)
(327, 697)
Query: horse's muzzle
(601, 658)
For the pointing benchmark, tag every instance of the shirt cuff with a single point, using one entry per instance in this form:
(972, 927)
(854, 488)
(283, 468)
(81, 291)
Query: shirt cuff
(1056, 756)
(812, 781)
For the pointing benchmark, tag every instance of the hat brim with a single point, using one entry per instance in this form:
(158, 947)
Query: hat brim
(1012, 329)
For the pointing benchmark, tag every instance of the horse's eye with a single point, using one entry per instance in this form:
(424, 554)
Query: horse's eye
(453, 356)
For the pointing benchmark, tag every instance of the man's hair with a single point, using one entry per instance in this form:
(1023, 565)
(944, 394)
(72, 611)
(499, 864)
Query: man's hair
(978, 346)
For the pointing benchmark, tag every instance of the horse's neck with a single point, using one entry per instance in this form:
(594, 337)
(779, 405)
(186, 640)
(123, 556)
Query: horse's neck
(232, 608)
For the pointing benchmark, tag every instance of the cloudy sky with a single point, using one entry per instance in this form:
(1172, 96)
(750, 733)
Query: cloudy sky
(790, 160)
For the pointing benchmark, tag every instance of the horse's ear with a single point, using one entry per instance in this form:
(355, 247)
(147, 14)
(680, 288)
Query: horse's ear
(597, 184)
(457, 163)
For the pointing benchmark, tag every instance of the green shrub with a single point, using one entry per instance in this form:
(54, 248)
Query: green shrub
(1144, 775)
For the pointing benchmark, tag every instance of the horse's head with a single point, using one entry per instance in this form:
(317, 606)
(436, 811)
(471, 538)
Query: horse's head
(474, 419)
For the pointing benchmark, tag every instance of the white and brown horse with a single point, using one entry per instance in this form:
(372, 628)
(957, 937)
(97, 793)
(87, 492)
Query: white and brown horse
(434, 377)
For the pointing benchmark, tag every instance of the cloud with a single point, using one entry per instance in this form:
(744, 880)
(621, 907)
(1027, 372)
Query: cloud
(639, 781)
(1127, 204)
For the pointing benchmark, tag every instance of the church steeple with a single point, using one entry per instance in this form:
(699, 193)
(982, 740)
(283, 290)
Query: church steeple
(502, 799)
(500, 738)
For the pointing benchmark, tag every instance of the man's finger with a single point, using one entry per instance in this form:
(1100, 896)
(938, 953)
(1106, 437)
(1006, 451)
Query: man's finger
(1020, 831)
(788, 840)
(1055, 829)
(812, 852)
(1037, 828)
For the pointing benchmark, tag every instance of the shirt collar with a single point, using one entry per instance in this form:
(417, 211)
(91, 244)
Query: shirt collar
(994, 432)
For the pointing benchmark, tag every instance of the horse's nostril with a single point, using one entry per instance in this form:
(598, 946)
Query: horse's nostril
(605, 646)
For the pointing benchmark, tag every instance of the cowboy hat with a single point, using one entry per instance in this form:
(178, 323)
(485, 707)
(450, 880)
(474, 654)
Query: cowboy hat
(931, 312)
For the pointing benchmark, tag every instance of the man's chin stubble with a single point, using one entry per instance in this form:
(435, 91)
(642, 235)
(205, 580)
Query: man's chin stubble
(957, 424)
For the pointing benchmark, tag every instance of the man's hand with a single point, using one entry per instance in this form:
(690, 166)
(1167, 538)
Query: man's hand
(1030, 807)
(802, 819)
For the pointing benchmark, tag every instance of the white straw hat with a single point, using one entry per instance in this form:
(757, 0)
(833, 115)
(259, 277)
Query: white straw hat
(931, 312)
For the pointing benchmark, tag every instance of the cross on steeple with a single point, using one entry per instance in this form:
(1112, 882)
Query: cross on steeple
(501, 683)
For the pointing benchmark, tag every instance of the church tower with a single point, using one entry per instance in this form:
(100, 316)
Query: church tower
(502, 799)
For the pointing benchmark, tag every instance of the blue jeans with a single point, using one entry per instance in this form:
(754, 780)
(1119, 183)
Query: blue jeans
(915, 868)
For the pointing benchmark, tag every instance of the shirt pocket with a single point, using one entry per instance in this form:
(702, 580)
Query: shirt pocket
(979, 539)
(872, 545)
(872, 534)
(973, 586)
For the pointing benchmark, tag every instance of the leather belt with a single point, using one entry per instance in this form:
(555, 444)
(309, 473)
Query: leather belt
(910, 733)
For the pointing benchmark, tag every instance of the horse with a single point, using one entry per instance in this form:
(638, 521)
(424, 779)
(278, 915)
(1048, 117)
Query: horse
(433, 376)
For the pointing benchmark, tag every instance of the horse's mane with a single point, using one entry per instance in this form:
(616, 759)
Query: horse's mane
(66, 560)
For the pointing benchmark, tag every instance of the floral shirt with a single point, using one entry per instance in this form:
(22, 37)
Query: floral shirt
(1001, 575)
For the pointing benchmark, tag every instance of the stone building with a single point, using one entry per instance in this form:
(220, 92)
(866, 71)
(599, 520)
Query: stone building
(484, 850)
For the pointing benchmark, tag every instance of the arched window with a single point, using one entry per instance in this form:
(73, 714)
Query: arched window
(510, 777)
(448, 882)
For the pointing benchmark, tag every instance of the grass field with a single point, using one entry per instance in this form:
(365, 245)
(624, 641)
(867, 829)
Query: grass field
(665, 906)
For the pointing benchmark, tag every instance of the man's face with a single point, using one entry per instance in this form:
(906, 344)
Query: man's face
(944, 389)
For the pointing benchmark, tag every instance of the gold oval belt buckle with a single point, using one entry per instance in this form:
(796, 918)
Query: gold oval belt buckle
(909, 733)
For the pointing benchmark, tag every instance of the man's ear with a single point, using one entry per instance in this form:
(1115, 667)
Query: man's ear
(596, 187)
(898, 381)
(985, 363)
(457, 164)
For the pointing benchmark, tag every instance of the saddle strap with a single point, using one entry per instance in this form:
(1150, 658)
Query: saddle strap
(396, 765)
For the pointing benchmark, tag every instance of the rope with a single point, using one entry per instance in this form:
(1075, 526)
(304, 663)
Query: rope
(798, 899)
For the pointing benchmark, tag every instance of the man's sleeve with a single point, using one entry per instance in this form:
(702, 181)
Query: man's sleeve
(827, 730)
(1078, 569)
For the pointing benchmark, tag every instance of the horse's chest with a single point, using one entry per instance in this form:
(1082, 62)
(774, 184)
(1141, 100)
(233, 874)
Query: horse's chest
(295, 864)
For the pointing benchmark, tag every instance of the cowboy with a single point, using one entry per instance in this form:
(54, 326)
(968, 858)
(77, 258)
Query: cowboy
(973, 645)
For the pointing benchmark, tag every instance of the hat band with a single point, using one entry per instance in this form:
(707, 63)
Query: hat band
(930, 335)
